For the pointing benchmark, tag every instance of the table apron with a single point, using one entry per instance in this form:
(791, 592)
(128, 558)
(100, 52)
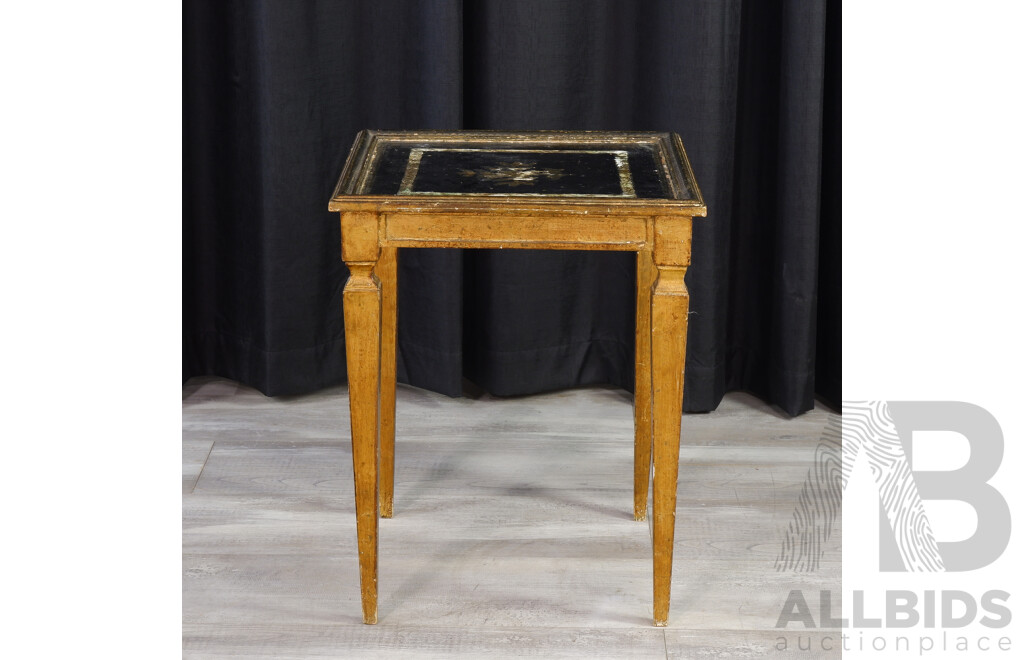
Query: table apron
(576, 232)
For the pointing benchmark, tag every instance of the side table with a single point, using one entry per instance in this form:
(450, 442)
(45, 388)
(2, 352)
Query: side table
(550, 190)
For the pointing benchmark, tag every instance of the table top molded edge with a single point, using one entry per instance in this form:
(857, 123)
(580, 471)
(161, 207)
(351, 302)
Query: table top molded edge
(675, 161)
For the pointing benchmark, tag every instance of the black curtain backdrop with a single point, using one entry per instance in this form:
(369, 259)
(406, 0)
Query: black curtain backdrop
(275, 91)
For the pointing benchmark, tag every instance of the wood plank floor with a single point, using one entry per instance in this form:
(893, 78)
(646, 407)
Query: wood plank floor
(513, 533)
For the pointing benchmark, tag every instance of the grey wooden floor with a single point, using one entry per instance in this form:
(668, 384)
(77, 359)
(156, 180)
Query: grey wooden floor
(513, 532)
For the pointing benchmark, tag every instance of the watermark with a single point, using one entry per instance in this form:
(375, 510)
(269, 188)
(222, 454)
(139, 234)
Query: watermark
(878, 436)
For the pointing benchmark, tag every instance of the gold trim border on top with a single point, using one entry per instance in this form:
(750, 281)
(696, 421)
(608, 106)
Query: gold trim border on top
(621, 162)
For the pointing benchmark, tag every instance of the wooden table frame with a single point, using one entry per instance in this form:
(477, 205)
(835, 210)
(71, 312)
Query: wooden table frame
(658, 230)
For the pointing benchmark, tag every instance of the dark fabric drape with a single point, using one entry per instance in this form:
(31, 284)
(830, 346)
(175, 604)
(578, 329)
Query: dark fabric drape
(274, 93)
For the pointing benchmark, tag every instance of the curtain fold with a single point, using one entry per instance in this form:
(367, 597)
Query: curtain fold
(274, 93)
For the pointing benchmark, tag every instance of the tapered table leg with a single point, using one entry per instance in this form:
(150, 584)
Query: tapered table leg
(387, 274)
(362, 303)
(670, 305)
(645, 276)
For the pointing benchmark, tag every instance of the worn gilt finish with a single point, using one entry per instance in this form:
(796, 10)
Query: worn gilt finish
(362, 302)
(670, 306)
(646, 274)
(387, 273)
(657, 227)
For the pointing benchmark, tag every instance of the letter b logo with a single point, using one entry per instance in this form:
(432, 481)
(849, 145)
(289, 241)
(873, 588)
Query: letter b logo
(967, 484)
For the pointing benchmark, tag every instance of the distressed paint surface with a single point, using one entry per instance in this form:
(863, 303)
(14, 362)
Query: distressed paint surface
(564, 176)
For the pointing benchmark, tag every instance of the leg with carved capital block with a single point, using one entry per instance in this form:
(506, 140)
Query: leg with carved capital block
(362, 303)
(670, 305)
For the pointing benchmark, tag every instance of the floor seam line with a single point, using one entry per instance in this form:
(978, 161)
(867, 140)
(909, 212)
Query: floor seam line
(205, 461)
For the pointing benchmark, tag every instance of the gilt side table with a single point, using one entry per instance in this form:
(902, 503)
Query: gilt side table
(538, 190)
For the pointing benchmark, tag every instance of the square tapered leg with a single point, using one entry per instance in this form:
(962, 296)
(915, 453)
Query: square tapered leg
(670, 307)
(362, 309)
(387, 274)
(645, 276)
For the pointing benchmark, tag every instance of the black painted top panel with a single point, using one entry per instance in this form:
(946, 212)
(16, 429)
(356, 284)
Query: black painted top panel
(614, 171)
